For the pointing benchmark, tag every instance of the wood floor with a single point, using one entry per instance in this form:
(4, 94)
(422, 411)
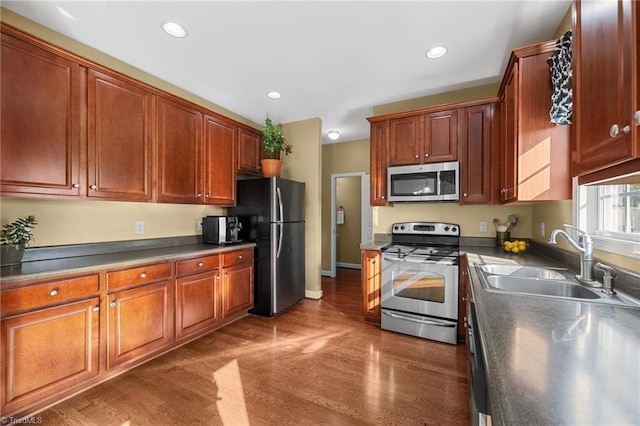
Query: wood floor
(316, 364)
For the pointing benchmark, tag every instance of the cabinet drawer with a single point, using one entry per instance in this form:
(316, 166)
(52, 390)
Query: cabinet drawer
(48, 294)
(138, 275)
(197, 265)
(236, 257)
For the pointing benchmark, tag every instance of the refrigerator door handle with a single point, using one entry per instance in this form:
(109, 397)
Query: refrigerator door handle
(280, 206)
(280, 225)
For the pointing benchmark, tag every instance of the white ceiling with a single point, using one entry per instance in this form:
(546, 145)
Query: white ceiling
(330, 59)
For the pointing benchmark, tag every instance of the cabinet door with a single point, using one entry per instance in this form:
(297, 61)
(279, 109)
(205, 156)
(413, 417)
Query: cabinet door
(48, 351)
(379, 163)
(249, 151)
(475, 154)
(197, 303)
(405, 141)
(219, 161)
(179, 133)
(40, 121)
(120, 137)
(237, 283)
(440, 140)
(604, 77)
(140, 322)
(371, 285)
(508, 158)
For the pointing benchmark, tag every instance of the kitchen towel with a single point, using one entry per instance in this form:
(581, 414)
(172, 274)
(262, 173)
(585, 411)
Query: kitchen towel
(562, 97)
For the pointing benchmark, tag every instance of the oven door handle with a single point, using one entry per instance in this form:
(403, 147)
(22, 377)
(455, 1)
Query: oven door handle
(419, 320)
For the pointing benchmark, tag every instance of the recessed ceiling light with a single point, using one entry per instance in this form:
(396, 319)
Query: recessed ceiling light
(436, 52)
(174, 30)
(274, 95)
(333, 135)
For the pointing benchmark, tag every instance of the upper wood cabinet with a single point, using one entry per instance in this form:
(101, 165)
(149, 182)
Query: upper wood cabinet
(120, 138)
(379, 163)
(477, 140)
(40, 126)
(219, 161)
(423, 138)
(249, 151)
(179, 133)
(606, 42)
(536, 154)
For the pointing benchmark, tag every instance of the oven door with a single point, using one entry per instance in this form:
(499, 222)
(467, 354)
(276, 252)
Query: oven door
(420, 288)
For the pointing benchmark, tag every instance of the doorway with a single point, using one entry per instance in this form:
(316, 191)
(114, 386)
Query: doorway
(351, 219)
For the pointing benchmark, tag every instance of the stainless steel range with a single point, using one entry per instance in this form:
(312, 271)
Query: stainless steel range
(420, 280)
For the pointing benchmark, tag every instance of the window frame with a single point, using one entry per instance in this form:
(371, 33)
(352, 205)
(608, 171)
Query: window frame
(585, 216)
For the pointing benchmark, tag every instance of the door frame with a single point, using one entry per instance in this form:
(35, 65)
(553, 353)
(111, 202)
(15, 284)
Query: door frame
(366, 209)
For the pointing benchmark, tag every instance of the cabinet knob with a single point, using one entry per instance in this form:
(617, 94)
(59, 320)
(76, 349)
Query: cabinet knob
(76, 185)
(199, 194)
(113, 304)
(240, 257)
(383, 197)
(94, 187)
(96, 308)
(615, 130)
(217, 277)
(53, 292)
(426, 156)
(373, 261)
(200, 264)
(464, 194)
(143, 275)
(206, 195)
(416, 155)
(226, 275)
(626, 129)
(636, 118)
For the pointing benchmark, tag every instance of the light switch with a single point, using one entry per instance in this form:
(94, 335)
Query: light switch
(139, 227)
(483, 226)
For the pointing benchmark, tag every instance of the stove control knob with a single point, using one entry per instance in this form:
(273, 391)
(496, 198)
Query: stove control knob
(446, 228)
(454, 229)
(395, 228)
(402, 227)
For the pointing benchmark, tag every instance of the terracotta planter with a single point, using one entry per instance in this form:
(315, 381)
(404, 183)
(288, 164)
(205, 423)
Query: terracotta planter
(11, 254)
(271, 167)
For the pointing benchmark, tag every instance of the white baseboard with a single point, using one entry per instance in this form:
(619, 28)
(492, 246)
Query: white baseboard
(313, 294)
(325, 273)
(349, 265)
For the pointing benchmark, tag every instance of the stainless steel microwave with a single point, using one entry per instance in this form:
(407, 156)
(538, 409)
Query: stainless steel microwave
(423, 183)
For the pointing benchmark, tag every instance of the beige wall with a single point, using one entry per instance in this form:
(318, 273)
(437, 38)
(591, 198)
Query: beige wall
(345, 157)
(305, 165)
(348, 196)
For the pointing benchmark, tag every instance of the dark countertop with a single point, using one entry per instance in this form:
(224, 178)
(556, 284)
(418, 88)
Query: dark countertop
(11, 277)
(556, 361)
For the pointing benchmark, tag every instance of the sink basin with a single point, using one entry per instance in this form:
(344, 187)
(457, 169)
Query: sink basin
(541, 287)
(522, 271)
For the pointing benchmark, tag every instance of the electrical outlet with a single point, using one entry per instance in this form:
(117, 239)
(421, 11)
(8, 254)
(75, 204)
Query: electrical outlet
(199, 225)
(483, 226)
(139, 227)
(542, 229)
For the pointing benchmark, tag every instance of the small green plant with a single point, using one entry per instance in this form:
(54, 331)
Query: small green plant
(18, 232)
(275, 145)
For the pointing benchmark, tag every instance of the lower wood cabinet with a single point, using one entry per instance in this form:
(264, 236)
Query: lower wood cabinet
(198, 295)
(371, 285)
(237, 282)
(48, 351)
(140, 322)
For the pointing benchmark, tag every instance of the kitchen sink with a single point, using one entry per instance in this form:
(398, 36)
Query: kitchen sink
(541, 287)
(544, 282)
(522, 271)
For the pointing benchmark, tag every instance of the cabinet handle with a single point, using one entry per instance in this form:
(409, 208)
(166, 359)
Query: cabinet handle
(636, 118)
(113, 304)
(76, 185)
(200, 264)
(143, 275)
(94, 187)
(53, 292)
(96, 308)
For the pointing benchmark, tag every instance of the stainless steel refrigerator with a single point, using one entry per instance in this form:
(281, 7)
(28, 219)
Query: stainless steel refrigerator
(271, 211)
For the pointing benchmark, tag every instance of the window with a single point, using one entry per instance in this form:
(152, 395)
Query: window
(611, 214)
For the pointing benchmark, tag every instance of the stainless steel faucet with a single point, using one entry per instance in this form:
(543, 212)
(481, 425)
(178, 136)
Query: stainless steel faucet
(585, 246)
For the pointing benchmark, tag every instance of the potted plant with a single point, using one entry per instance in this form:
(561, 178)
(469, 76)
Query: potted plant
(275, 147)
(14, 238)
